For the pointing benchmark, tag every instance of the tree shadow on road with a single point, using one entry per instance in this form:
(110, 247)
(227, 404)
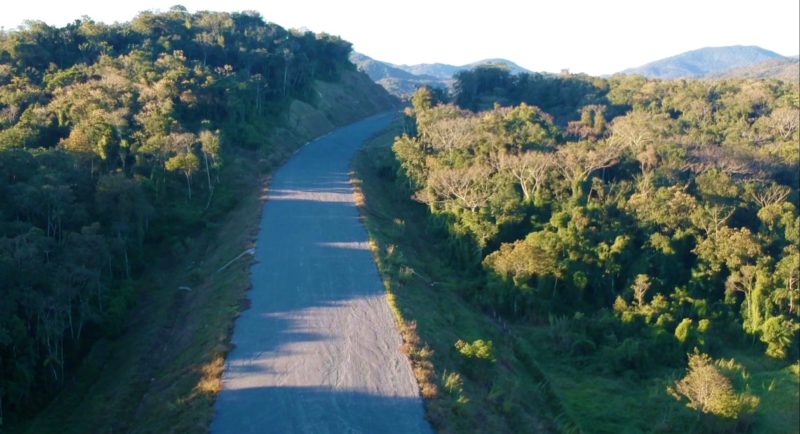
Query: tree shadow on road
(287, 410)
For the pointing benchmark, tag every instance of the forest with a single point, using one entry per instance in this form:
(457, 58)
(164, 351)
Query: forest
(113, 140)
(648, 227)
(633, 235)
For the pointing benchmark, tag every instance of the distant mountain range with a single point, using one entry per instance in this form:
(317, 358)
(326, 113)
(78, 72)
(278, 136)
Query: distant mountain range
(403, 80)
(721, 62)
(446, 72)
(711, 62)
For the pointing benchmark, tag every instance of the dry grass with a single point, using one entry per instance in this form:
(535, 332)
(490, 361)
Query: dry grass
(211, 381)
(418, 353)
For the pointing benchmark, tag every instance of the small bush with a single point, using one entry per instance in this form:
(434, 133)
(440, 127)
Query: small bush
(478, 349)
(707, 390)
(683, 330)
(778, 334)
(478, 359)
(453, 382)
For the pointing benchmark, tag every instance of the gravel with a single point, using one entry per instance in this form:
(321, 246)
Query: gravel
(318, 351)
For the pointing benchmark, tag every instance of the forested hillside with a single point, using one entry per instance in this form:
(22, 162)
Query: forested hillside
(113, 149)
(617, 225)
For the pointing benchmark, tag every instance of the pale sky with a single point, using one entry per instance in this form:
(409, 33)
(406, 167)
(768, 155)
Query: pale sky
(592, 36)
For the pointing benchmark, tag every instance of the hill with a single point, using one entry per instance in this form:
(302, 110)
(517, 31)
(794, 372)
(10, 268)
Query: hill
(446, 72)
(439, 70)
(393, 78)
(403, 80)
(704, 62)
(133, 158)
(783, 68)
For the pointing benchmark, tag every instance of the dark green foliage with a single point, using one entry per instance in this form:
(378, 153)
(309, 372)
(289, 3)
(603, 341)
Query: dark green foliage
(561, 96)
(674, 203)
(112, 143)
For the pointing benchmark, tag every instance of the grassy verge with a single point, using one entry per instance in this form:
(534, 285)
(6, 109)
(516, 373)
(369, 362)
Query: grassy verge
(463, 395)
(531, 386)
(601, 402)
(778, 386)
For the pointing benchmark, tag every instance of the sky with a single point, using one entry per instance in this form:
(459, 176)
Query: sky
(592, 36)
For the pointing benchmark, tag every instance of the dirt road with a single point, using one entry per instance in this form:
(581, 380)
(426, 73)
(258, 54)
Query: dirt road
(318, 349)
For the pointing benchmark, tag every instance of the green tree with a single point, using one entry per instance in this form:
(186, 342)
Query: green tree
(211, 149)
(577, 160)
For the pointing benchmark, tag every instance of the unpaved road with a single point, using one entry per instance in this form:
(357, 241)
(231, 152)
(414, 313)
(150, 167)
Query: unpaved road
(318, 350)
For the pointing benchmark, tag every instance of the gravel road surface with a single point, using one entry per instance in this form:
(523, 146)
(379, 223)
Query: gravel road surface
(318, 350)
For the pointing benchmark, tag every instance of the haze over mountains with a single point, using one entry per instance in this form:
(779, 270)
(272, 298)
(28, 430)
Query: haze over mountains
(706, 62)
(445, 71)
(710, 62)
(405, 79)
(783, 68)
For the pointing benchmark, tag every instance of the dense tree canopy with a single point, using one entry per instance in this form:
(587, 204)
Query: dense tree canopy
(669, 208)
(112, 138)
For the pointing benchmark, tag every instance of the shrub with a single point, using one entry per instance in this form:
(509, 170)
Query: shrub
(683, 330)
(777, 333)
(478, 349)
(454, 385)
(478, 362)
(707, 390)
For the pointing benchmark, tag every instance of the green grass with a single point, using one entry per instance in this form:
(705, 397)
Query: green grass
(777, 383)
(605, 402)
(602, 403)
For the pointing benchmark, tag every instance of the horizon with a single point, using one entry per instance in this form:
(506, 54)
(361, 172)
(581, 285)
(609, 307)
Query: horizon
(487, 59)
(439, 36)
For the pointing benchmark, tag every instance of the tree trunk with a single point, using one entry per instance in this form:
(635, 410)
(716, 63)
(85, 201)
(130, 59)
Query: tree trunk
(208, 177)
(577, 190)
(285, 76)
(525, 193)
(188, 185)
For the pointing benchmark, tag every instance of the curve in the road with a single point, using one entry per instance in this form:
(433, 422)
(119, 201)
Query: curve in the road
(318, 350)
